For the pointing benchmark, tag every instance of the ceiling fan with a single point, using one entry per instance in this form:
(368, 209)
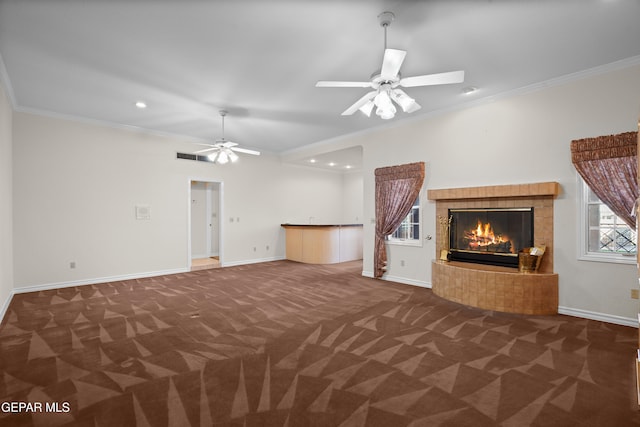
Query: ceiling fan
(386, 82)
(224, 150)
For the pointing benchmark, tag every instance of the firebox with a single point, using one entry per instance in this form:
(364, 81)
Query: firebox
(490, 236)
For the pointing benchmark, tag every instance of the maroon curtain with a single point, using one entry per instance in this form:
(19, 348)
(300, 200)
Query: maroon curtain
(397, 187)
(609, 166)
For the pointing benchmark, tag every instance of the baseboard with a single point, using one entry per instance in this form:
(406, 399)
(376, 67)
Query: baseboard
(593, 315)
(82, 282)
(403, 280)
(5, 306)
(252, 261)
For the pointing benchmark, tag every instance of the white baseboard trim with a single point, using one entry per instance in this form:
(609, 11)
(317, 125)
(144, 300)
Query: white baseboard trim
(603, 317)
(5, 306)
(252, 261)
(403, 280)
(82, 282)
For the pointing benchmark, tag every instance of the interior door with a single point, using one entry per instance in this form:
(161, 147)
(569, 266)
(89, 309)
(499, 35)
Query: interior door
(205, 227)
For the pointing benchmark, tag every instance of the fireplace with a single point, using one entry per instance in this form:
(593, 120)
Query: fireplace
(490, 236)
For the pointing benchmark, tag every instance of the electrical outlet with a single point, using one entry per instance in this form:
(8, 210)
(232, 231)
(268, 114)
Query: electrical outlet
(72, 264)
(401, 263)
(267, 247)
(255, 249)
(635, 293)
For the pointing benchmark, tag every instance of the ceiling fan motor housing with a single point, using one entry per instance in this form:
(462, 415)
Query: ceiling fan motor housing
(386, 18)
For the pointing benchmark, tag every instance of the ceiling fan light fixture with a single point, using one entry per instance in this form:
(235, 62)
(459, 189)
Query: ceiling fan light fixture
(367, 108)
(213, 156)
(223, 157)
(385, 82)
(408, 104)
(386, 114)
(386, 109)
(222, 150)
(232, 156)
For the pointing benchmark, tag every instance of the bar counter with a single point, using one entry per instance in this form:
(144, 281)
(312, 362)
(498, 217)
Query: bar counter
(323, 243)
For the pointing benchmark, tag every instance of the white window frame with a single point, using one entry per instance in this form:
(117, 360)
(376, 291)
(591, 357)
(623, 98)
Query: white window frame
(410, 242)
(583, 232)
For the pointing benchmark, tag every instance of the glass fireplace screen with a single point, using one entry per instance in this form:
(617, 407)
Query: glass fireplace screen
(490, 236)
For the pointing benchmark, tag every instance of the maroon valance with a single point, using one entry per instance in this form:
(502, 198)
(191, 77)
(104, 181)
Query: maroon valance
(609, 166)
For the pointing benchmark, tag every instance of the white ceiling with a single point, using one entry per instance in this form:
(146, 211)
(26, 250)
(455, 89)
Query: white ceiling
(260, 60)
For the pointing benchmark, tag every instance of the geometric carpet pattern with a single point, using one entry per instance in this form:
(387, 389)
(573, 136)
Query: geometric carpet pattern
(289, 344)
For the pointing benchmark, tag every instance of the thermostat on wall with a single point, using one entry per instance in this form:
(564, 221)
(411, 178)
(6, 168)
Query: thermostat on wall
(143, 212)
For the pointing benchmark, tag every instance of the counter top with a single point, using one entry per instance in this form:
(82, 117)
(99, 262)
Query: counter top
(321, 225)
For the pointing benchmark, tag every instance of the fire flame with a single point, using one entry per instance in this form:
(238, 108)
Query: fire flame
(483, 235)
(484, 230)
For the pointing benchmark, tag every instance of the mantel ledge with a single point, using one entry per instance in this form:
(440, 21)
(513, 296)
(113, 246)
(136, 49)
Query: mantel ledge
(496, 191)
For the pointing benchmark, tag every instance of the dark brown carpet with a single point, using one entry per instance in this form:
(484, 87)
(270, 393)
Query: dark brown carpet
(287, 344)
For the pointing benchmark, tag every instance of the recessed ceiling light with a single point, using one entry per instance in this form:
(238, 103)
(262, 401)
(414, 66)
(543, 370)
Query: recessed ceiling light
(312, 161)
(332, 164)
(469, 89)
(141, 104)
(348, 167)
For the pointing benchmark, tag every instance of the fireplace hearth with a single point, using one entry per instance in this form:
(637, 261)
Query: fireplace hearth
(490, 287)
(490, 235)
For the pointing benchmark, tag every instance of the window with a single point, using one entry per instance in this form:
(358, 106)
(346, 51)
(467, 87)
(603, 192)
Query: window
(409, 231)
(604, 236)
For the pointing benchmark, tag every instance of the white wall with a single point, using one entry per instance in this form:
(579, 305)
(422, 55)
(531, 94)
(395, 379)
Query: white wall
(76, 186)
(352, 197)
(6, 200)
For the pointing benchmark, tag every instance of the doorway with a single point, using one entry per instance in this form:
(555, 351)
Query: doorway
(205, 234)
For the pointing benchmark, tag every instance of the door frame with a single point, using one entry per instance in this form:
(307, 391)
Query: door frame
(219, 216)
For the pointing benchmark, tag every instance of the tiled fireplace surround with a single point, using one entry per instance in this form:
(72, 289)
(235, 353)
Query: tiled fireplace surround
(499, 288)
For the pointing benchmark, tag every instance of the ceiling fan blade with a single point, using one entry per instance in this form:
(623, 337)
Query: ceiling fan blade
(245, 150)
(391, 63)
(324, 83)
(359, 103)
(433, 79)
(206, 149)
